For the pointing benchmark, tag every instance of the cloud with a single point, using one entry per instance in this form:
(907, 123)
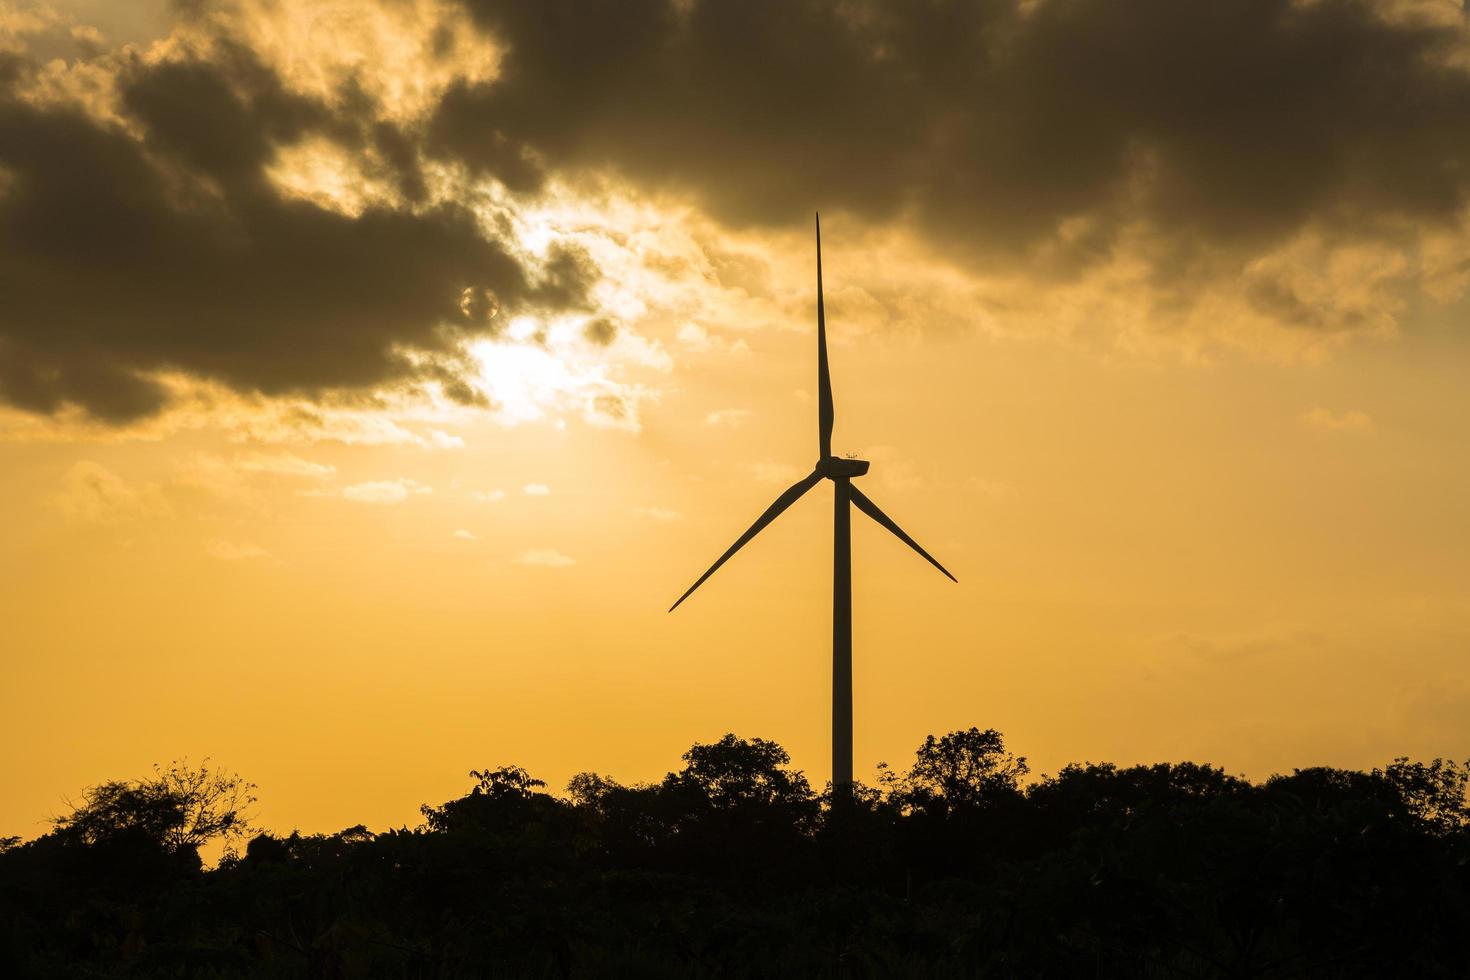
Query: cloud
(487, 496)
(91, 493)
(284, 464)
(536, 369)
(464, 535)
(693, 336)
(228, 478)
(384, 491)
(1325, 419)
(995, 123)
(536, 490)
(696, 338)
(387, 419)
(147, 231)
(728, 418)
(660, 514)
(230, 551)
(314, 202)
(600, 331)
(394, 418)
(545, 557)
(1166, 144)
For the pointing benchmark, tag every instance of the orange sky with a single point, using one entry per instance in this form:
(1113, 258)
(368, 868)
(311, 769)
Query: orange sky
(1212, 530)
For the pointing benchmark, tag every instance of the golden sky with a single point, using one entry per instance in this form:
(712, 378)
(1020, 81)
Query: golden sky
(373, 377)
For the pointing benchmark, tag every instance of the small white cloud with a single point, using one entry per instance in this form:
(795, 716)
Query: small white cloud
(693, 336)
(228, 479)
(233, 551)
(487, 496)
(284, 464)
(546, 558)
(464, 535)
(1327, 420)
(696, 338)
(443, 440)
(384, 491)
(730, 418)
(536, 490)
(659, 514)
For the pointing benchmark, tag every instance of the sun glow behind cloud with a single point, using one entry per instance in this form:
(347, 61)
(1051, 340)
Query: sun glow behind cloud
(527, 382)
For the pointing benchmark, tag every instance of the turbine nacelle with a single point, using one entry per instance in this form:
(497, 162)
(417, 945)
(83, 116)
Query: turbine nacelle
(841, 467)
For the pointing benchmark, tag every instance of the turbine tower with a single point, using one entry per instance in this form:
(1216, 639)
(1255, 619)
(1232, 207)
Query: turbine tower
(841, 472)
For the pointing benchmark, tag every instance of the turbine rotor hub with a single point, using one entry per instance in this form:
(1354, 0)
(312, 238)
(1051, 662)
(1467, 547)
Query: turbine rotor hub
(841, 468)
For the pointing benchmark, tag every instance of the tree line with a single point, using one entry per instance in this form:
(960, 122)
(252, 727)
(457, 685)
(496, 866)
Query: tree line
(733, 865)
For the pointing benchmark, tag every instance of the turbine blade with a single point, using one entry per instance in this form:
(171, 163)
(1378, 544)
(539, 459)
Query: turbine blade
(792, 494)
(871, 509)
(824, 376)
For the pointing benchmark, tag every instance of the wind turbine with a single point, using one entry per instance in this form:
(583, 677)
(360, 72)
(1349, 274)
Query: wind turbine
(841, 472)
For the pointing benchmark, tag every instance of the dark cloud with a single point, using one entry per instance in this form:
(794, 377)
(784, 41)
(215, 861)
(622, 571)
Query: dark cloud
(126, 256)
(600, 331)
(1036, 133)
(757, 104)
(568, 277)
(1218, 122)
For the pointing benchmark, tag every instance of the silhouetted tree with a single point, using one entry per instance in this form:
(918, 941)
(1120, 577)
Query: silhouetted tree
(1435, 794)
(960, 801)
(180, 808)
(507, 822)
(731, 866)
(738, 773)
(501, 797)
(963, 770)
(1081, 796)
(734, 805)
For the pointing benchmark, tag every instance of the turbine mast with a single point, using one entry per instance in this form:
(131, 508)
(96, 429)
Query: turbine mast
(841, 638)
(841, 559)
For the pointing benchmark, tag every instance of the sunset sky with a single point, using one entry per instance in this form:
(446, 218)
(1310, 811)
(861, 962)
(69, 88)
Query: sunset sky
(374, 376)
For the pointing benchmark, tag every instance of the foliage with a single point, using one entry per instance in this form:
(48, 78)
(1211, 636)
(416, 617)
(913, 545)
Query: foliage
(498, 794)
(180, 808)
(963, 770)
(734, 772)
(732, 866)
(1433, 794)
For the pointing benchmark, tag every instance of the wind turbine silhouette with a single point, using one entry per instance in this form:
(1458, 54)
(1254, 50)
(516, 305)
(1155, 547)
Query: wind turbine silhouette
(841, 472)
